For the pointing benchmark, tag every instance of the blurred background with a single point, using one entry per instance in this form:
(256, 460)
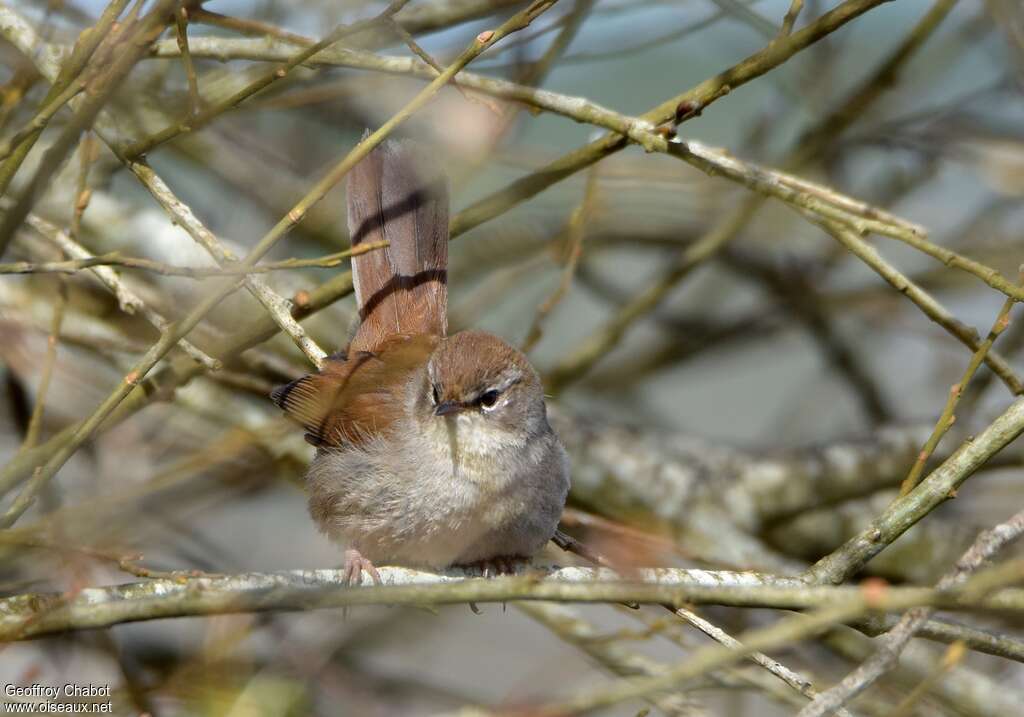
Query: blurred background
(771, 351)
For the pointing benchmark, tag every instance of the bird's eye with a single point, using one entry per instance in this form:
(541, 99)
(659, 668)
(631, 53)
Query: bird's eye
(436, 395)
(488, 399)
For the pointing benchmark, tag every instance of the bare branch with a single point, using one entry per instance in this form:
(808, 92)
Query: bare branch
(893, 642)
(31, 615)
(128, 300)
(938, 487)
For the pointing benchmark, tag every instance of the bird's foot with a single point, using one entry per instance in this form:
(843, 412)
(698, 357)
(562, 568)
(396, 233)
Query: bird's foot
(355, 564)
(498, 565)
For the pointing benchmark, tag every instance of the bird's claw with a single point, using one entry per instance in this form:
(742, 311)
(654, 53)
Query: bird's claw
(355, 564)
(499, 565)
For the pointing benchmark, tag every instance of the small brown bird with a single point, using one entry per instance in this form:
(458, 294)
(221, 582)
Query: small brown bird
(432, 450)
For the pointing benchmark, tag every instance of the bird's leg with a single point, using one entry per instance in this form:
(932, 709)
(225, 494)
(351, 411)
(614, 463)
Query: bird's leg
(498, 565)
(355, 564)
(492, 567)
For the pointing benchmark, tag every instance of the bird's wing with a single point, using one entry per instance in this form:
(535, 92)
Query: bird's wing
(356, 397)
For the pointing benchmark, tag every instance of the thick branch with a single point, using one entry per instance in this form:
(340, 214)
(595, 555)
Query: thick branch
(32, 615)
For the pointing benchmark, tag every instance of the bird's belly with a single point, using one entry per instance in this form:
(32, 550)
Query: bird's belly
(426, 512)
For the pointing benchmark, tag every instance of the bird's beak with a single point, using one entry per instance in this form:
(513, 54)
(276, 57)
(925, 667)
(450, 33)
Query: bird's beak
(448, 407)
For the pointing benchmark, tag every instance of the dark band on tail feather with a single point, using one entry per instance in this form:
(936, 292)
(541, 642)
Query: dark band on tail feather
(396, 194)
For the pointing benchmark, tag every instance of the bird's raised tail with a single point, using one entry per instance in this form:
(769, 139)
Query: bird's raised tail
(395, 195)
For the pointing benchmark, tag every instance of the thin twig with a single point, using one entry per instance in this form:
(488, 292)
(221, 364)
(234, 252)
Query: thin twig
(748, 16)
(276, 306)
(199, 120)
(178, 373)
(42, 118)
(784, 632)
(985, 546)
(121, 52)
(35, 422)
(953, 656)
(420, 17)
(935, 311)
(66, 77)
(576, 233)
(731, 676)
(181, 35)
(247, 26)
(73, 266)
(84, 430)
(569, 626)
(948, 415)
(578, 361)
(699, 97)
(87, 151)
(796, 191)
(795, 8)
(940, 485)
(801, 684)
(417, 50)
(127, 300)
